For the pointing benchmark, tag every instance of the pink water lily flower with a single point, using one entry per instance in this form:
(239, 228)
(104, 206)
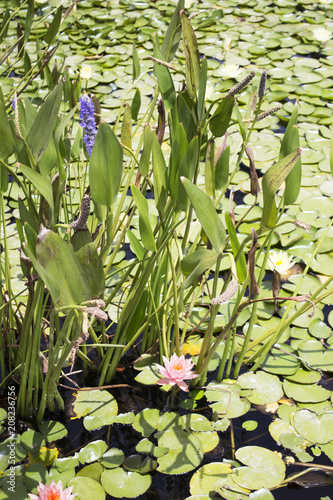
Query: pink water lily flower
(176, 371)
(53, 491)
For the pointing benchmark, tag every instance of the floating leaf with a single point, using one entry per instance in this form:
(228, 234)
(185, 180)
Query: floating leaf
(265, 468)
(305, 393)
(92, 451)
(112, 458)
(122, 484)
(52, 430)
(99, 406)
(315, 428)
(185, 452)
(87, 488)
(266, 388)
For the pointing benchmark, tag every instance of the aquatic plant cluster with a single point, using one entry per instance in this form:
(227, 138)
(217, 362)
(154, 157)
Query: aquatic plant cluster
(175, 234)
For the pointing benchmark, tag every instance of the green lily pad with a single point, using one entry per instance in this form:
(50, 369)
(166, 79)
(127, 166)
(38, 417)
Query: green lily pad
(93, 471)
(92, 451)
(112, 458)
(35, 474)
(281, 360)
(305, 393)
(303, 376)
(279, 427)
(98, 408)
(32, 441)
(315, 428)
(265, 468)
(226, 400)
(250, 425)
(316, 355)
(125, 484)
(87, 488)
(209, 440)
(185, 452)
(262, 494)
(146, 421)
(208, 477)
(266, 388)
(52, 430)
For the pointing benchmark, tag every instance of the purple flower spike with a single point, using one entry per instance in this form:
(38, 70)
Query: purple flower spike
(88, 123)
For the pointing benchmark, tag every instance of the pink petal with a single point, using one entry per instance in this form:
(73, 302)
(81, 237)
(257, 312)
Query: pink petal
(182, 385)
(165, 381)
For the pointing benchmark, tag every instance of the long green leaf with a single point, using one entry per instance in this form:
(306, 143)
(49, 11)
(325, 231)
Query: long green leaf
(7, 142)
(173, 34)
(90, 261)
(53, 28)
(196, 263)
(44, 123)
(187, 169)
(106, 166)
(136, 63)
(271, 182)
(59, 261)
(146, 232)
(192, 66)
(146, 150)
(166, 85)
(241, 262)
(202, 88)
(210, 169)
(206, 213)
(126, 127)
(41, 183)
(160, 176)
(220, 120)
(222, 169)
(290, 142)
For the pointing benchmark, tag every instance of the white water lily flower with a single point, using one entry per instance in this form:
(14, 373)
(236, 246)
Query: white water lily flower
(86, 72)
(229, 70)
(280, 261)
(325, 2)
(322, 34)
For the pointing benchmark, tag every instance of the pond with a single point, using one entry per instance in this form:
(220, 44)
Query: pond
(167, 178)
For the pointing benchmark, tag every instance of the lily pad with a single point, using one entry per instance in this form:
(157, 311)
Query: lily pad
(315, 428)
(92, 451)
(265, 468)
(185, 452)
(208, 477)
(305, 393)
(226, 400)
(87, 488)
(281, 360)
(99, 406)
(124, 484)
(316, 355)
(266, 388)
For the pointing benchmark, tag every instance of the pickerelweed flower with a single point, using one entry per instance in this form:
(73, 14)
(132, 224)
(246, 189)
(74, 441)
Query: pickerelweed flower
(175, 371)
(280, 261)
(88, 123)
(53, 491)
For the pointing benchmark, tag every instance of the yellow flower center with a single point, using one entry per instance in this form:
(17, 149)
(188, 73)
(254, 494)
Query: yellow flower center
(279, 263)
(53, 496)
(178, 366)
